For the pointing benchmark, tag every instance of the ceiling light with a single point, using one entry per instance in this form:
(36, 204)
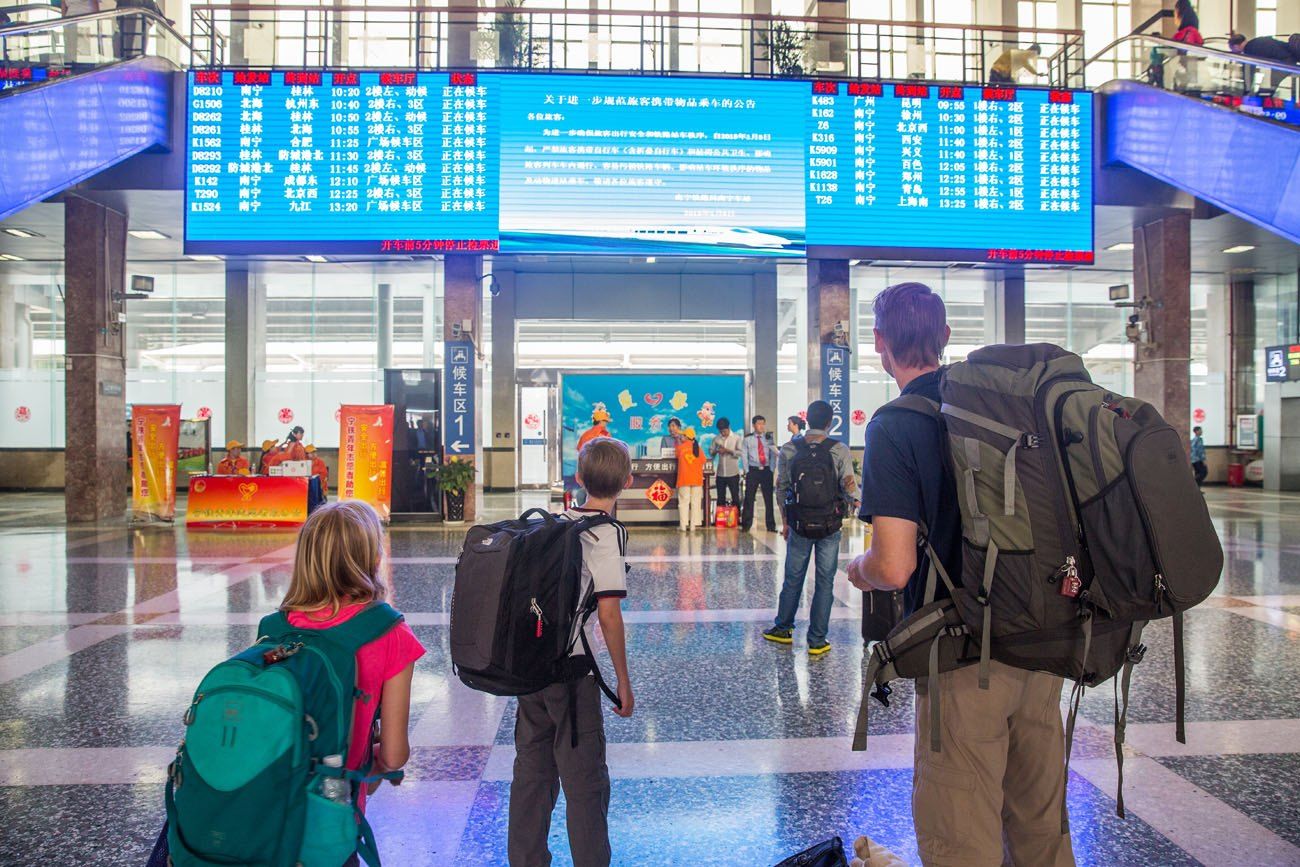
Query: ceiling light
(22, 233)
(203, 257)
(1240, 248)
(649, 260)
(148, 234)
(1121, 246)
(10, 257)
(317, 259)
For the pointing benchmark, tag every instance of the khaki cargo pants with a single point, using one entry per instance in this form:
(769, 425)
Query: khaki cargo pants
(545, 759)
(992, 795)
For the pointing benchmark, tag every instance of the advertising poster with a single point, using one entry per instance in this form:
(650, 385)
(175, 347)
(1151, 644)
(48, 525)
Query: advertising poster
(155, 436)
(640, 405)
(247, 501)
(366, 455)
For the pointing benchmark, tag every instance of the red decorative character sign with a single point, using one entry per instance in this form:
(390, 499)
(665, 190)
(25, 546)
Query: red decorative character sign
(659, 493)
(1198, 415)
(205, 412)
(859, 417)
(23, 415)
(286, 415)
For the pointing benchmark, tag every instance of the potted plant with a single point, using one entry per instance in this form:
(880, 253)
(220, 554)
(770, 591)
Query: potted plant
(455, 476)
(786, 49)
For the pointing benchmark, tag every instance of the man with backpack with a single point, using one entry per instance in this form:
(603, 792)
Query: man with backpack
(1000, 772)
(816, 488)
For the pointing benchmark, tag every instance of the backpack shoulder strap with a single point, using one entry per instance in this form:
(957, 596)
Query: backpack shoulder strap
(273, 625)
(375, 621)
(912, 403)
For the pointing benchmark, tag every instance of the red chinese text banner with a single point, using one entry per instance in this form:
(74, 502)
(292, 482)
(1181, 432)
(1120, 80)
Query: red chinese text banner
(366, 455)
(155, 435)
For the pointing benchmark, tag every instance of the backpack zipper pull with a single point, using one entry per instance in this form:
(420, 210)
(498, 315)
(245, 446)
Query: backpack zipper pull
(1160, 592)
(189, 712)
(537, 612)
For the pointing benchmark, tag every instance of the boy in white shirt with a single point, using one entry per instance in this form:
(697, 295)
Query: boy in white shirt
(545, 753)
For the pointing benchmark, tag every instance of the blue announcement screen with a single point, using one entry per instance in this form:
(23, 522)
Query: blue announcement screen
(416, 162)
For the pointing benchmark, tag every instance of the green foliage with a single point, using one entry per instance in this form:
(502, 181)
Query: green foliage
(785, 48)
(516, 48)
(455, 475)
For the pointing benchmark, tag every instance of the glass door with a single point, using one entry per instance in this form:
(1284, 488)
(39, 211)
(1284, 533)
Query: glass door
(535, 432)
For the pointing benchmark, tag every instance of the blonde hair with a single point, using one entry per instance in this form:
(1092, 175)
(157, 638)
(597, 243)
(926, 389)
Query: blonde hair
(604, 465)
(340, 550)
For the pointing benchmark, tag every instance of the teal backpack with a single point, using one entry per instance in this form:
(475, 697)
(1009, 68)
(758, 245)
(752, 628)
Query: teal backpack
(250, 784)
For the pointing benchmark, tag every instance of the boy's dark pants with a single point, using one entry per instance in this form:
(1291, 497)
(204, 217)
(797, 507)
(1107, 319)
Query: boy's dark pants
(545, 758)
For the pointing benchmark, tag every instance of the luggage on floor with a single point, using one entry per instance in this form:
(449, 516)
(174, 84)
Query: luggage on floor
(826, 854)
(726, 517)
(516, 610)
(1081, 522)
(259, 778)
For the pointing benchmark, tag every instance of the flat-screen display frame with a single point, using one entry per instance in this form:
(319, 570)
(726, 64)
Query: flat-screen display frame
(1008, 256)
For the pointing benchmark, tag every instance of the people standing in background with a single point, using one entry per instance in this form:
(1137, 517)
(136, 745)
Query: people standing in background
(1187, 24)
(293, 448)
(234, 463)
(1266, 48)
(600, 419)
(758, 457)
(1198, 456)
(690, 482)
(318, 468)
(725, 450)
(796, 426)
(674, 436)
(269, 450)
(1012, 61)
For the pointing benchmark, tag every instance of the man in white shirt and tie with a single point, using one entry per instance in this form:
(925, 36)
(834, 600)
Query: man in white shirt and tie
(758, 456)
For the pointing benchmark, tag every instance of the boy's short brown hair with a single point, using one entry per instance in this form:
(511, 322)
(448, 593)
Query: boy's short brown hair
(913, 322)
(604, 465)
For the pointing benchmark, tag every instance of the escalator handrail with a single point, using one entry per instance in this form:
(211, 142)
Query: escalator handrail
(121, 12)
(1199, 51)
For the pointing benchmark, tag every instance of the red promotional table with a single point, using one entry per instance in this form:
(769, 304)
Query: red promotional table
(247, 501)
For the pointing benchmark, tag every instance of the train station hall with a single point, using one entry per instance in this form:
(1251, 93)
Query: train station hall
(726, 433)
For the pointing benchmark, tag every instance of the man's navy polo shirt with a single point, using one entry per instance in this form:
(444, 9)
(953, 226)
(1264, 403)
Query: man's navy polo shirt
(903, 476)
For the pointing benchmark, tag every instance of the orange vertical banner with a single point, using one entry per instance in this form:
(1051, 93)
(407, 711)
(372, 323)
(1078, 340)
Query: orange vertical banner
(366, 455)
(155, 436)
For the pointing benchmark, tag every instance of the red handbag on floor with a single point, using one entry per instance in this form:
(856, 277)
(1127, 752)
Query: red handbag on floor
(727, 517)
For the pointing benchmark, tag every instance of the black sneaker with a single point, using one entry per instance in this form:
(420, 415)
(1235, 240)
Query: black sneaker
(780, 636)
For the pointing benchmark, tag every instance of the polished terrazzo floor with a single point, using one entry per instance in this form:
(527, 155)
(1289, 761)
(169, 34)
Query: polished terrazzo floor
(738, 753)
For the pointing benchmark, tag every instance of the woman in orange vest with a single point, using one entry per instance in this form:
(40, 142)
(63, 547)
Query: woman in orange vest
(690, 482)
(318, 468)
(293, 447)
(234, 463)
(269, 451)
(600, 419)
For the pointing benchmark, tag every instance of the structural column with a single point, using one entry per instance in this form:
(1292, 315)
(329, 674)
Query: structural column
(1163, 283)
(462, 306)
(94, 253)
(244, 341)
(829, 306)
(763, 349)
(384, 339)
(501, 453)
(1241, 345)
(1004, 306)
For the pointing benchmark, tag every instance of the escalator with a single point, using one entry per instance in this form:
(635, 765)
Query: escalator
(82, 94)
(1215, 124)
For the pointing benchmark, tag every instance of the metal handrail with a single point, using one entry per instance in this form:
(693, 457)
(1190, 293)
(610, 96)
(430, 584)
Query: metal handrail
(1198, 51)
(866, 47)
(123, 12)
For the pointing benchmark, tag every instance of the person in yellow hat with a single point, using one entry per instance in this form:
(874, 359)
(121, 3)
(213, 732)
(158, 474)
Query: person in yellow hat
(690, 482)
(600, 419)
(234, 463)
(269, 453)
(318, 468)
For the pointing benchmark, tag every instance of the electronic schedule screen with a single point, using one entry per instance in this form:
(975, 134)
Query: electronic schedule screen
(359, 162)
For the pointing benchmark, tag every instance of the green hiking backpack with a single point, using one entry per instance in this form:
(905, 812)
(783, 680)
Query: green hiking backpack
(1081, 522)
(249, 784)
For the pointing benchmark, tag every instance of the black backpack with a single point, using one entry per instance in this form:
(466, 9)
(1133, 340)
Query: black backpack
(1081, 522)
(516, 610)
(813, 505)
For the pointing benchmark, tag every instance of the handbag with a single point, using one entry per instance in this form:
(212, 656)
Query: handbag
(829, 853)
(726, 517)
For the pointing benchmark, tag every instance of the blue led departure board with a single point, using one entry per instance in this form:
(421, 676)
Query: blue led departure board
(416, 162)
